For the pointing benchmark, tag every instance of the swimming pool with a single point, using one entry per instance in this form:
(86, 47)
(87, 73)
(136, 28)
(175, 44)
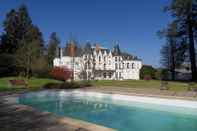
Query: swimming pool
(124, 113)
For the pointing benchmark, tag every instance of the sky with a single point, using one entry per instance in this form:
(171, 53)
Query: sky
(131, 23)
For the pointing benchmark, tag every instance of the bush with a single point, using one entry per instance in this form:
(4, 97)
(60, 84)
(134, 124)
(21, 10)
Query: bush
(147, 70)
(61, 73)
(52, 86)
(67, 85)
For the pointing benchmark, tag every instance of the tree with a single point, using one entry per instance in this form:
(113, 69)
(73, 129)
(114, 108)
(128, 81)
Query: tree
(168, 54)
(39, 67)
(26, 56)
(147, 71)
(52, 49)
(22, 39)
(16, 25)
(185, 14)
(61, 73)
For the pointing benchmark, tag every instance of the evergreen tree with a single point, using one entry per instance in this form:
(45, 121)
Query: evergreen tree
(18, 29)
(52, 49)
(22, 39)
(9, 37)
(172, 53)
(185, 13)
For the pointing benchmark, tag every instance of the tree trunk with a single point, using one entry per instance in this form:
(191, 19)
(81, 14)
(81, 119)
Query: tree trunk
(192, 49)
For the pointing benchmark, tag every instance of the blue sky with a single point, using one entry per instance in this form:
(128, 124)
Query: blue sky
(133, 23)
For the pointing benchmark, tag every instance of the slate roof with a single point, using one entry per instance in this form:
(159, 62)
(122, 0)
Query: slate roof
(88, 49)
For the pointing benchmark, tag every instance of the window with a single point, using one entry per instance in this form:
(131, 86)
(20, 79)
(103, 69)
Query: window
(116, 75)
(115, 58)
(116, 66)
(86, 66)
(104, 58)
(119, 66)
(110, 74)
(133, 66)
(104, 75)
(99, 58)
(89, 65)
(104, 66)
(127, 65)
(120, 75)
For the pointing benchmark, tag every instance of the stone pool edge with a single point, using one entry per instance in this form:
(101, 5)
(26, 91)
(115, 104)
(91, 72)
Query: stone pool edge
(149, 99)
(11, 100)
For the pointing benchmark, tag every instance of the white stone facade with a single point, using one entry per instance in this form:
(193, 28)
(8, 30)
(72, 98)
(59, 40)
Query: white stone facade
(101, 64)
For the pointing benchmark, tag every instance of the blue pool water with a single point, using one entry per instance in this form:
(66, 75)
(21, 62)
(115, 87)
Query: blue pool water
(120, 115)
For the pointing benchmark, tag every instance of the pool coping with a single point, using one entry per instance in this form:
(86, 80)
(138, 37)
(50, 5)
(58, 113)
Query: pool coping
(171, 95)
(78, 125)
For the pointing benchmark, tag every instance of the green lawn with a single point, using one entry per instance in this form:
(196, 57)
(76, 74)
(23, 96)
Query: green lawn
(33, 83)
(176, 86)
(36, 83)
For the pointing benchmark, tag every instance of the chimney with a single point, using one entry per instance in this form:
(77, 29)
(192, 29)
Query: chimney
(97, 47)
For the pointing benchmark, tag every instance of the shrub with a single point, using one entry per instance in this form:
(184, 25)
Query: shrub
(52, 86)
(147, 70)
(61, 73)
(67, 85)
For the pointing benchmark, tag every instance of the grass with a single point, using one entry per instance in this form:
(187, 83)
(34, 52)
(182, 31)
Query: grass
(175, 86)
(37, 83)
(33, 83)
